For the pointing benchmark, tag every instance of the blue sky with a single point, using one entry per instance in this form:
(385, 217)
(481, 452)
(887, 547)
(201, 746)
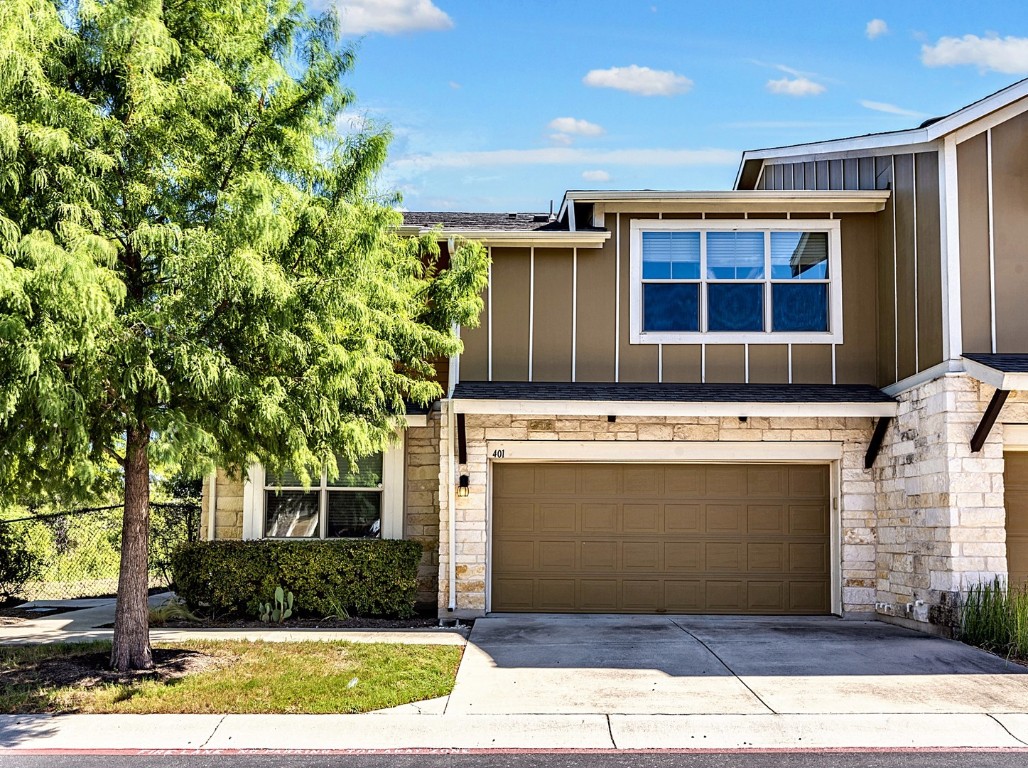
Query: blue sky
(501, 106)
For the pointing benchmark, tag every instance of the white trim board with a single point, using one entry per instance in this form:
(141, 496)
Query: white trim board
(665, 408)
(995, 378)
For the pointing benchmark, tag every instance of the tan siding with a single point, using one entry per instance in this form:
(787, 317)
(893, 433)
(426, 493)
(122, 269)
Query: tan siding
(683, 215)
(905, 269)
(510, 314)
(769, 364)
(811, 364)
(856, 357)
(551, 347)
(973, 203)
(886, 278)
(596, 307)
(726, 364)
(929, 261)
(474, 361)
(682, 363)
(638, 362)
(1010, 202)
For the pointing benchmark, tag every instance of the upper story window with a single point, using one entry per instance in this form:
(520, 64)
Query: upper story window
(755, 282)
(363, 503)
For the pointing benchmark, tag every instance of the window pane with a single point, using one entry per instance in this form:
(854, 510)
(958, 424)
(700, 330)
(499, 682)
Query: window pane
(292, 514)
(368, 474)
(735, 307)
(671, 307)
(799, 255)
(735, 255)
(289, 480)
(671, 255)
(354, 514)
(798, 307)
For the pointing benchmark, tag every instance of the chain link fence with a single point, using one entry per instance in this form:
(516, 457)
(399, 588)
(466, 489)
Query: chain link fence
(79, 551)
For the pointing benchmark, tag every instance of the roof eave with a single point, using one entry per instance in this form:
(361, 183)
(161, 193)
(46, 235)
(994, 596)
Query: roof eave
(854, 201)
(524, 238)
(489, 406)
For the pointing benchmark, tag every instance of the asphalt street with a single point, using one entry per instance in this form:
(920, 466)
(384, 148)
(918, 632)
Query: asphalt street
(919, 759)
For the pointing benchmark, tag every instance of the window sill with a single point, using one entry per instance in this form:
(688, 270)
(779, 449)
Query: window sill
(714, 337)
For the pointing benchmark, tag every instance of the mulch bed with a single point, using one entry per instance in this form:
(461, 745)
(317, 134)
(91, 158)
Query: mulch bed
(93, 669)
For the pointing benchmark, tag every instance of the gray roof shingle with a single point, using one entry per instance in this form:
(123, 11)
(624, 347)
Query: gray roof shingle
(1005, 362)
(501, 222)
(672, 393)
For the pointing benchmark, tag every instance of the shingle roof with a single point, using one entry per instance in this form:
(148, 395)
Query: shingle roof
(673, 393)
(500, 222)
(1005, 362)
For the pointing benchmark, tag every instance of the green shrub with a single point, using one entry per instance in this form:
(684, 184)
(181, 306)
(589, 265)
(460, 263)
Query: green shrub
(18, 562)
(365, 577)
(996, 618)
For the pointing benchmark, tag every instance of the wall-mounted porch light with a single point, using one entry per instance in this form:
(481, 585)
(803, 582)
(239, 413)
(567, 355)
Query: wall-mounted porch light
(463, 486)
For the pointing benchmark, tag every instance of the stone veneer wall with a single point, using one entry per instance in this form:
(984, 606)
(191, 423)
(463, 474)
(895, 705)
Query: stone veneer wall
(228, 517)
(857, 491)
(421, 503)
(941, 515)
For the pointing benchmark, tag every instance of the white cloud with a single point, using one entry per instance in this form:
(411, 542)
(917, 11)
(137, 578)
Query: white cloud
(641, 80)
(876, 28)
(575, 126)
(890, 109)
(1008, 55)
(358, 17)
(596, 175)
(567, 156)
(562, 138)
(797, 86)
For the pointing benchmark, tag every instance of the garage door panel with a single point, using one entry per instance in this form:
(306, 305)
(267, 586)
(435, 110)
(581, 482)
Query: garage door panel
(683, 556)
(557, 555)
(808, 481)
(725, 518)
(1015, 479)
(599, 518)
(558, 518)
(808, 519)
(641, 556)
(660, 538)
(641, 518)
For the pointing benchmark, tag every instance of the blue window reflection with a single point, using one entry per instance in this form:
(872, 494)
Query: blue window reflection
(735, 307)
(799, 307)
(671, 307)
(735, 255)
(671, 255)
(799, 255)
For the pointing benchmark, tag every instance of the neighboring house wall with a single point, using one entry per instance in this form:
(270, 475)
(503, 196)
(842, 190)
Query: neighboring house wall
(992, 173)
(910, 312)
(563, 315)
(855, 516)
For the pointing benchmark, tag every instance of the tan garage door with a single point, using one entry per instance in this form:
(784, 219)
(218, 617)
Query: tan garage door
(1015, 478)
(653, 538)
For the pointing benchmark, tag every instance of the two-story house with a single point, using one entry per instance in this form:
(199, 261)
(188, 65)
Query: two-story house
(795, 397)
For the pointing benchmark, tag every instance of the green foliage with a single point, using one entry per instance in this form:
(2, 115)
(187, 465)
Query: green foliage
(995, 617)
(18, 561)
(280, 610)
(190, 249)
(363, 577)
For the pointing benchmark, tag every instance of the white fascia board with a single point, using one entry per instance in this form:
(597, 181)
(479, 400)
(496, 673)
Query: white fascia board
(931, 133)
(994, 377)
(827, 201)
(417, 419)
(706, 452)
(923, 377)
(664, 408)
(529, 238)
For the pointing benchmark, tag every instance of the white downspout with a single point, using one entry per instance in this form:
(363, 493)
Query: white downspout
(451, 504)
(212, 504)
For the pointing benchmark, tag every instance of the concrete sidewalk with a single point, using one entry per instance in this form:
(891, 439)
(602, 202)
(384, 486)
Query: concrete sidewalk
(391, 732)
(87, 623)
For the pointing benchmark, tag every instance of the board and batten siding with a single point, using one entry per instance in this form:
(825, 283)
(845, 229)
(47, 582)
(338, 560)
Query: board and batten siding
(992, 189)
(562, 314)
(909, 312)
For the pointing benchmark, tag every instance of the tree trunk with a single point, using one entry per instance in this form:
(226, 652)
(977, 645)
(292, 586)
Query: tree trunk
(131, 619)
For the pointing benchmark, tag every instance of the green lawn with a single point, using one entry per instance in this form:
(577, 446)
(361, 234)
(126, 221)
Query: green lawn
(227, 677)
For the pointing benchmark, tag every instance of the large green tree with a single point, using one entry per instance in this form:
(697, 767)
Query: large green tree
(194, 265)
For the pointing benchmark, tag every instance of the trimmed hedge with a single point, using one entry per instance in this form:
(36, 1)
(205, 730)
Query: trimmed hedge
(374, 577)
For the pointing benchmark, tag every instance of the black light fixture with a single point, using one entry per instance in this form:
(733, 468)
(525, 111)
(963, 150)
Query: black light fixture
(463, 486)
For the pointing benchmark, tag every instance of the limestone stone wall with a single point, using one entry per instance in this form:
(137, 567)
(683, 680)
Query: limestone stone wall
(941, 517)
(228, 517)
(857, 513)
(421, 502)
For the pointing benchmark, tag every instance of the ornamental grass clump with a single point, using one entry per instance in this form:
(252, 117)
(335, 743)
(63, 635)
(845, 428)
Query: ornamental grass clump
(995, 617)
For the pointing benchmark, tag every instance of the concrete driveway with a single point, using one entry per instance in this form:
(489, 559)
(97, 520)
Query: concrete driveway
(549, 664)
